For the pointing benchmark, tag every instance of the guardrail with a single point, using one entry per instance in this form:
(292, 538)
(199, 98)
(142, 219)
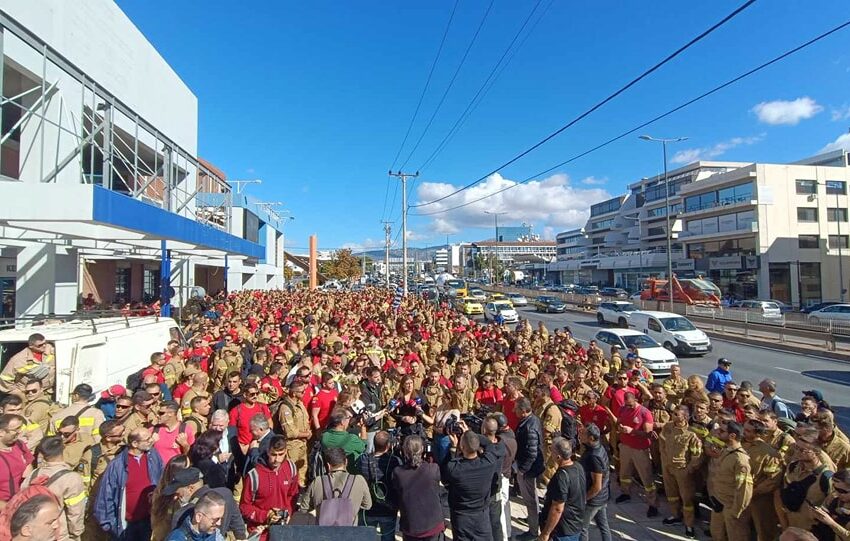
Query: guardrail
(788, 328)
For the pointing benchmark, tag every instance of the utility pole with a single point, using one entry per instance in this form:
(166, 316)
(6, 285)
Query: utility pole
(495, 243)
(404, 177)
(387, 230)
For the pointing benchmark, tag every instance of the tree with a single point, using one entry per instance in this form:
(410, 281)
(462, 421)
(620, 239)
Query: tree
(343, 265)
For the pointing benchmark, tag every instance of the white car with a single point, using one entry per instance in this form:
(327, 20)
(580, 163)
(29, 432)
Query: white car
(477, 294)
(615, 312)
(517, 299)
(835, 312)
(765, 309)
(674, 331)
(656, 358)
(505, 308)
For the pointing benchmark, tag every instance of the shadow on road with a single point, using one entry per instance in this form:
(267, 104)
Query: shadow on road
(841, 377)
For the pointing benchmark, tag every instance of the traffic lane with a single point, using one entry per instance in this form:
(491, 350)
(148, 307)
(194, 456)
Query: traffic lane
(792, 372)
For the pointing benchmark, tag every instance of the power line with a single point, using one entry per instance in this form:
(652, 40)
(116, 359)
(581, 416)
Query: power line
(427, 83)
(622, 89)
(653, 120)
(479, 96)
(449, 87)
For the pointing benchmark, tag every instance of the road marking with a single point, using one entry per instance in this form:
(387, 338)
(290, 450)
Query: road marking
(768, 348)
(786, 369)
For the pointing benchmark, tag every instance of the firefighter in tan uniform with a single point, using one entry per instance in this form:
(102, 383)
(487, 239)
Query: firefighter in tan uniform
(464, 394)
(807, 463)
(37, 361)
(615, 364)
(142, 416)
(681, 457)
(31, 433)
(775, 437)
(766, 468)
(831, 439)
(38, 408)
(660, 409)
(111, 443)
(90, 417)
(199, 388)
(295, 424)
(198, 419)
(730, 485)
(77, 453)
(675, 385)
(173, 370)
(550, 419)
(66, 484)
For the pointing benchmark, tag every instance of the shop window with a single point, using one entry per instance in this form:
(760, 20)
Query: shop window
(807, 214)
(808, 241)
(810, 284)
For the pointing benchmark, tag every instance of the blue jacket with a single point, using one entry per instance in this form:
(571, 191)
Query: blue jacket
(109, 500)
(185, 533)
(717, 380)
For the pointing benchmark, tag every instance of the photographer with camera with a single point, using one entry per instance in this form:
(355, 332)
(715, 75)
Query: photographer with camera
(378, 467)
(270, 489)
(470, 477)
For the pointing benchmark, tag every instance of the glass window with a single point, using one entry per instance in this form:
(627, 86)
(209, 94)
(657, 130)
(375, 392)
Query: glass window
(653, 231)
(745, 219)
(122, 284)
(709, 225)
(810, 283)
(695, 227)
(806, 187)
(836, 215)
(808, 241)
(653, 325)
(836, 187)
(807, 214)
(150, 285)
(696, 251)
(728, 222)
(839, 241)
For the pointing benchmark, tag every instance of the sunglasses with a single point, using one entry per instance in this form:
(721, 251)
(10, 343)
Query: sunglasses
(252, 395)
(31, 391)
(123, 406)
(67, 434)
(155, 394)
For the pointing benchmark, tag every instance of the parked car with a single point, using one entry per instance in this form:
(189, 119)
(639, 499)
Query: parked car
(517, 299)
(673, 331)
(818, 306)
(765, 309)
(783, 307)
(616, 313)
(657, 359)
(833, 312)
(546, 303)
(498, 297)
(471, 307)
(615, 292)
(505, 308)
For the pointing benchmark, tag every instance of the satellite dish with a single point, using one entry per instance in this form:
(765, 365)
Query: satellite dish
(198, 292)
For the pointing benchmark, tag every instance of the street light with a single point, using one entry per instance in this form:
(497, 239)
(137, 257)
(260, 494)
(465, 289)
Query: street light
(241, 183)
(669, 232)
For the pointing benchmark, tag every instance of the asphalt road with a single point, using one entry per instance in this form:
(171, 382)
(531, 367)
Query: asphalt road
(792, 372)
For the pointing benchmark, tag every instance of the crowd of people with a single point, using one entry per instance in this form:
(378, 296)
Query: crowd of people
(339, 409)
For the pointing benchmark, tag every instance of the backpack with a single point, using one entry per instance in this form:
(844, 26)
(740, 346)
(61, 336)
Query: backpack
(134, 380)
(180, 430)
(793, 493)
(39, 485)
(336, 508)
(315, 462)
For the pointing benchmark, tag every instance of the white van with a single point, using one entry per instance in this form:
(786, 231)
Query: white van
(673, 331)
(101, 352)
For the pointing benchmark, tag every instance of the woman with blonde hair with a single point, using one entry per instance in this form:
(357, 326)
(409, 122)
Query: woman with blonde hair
(695, 392)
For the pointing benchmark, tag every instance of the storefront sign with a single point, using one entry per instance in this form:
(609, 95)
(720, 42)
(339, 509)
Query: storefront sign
(751, 261)
(732, 262)
(683, 265)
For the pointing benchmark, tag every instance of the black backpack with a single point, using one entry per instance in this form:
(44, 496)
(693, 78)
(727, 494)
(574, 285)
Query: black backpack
(134, 380)
(316, 462)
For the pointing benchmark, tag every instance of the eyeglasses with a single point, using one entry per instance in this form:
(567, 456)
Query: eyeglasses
(252, 395)
(31, 391)
(214, 520)
(67, 433)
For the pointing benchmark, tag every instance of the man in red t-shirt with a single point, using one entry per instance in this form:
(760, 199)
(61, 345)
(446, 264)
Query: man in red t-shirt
(592, 412)
(488, 394)
(615, 395)
(634, 425)
(240, 416)
(323, 402)
(15, 458)
(512, 393)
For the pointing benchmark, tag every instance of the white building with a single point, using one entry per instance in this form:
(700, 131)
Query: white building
(99, 174)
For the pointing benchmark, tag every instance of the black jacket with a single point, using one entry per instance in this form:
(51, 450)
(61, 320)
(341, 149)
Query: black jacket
(470, 481)
(232, 521)
(529, 451)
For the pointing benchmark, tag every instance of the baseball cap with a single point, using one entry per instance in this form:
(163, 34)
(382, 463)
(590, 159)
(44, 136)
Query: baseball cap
(83, 390)
(113, 392)
(814, 393)
(182, 478)
(724, 361)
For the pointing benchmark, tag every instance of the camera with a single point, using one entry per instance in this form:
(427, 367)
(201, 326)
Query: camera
(281, 516)
(452, 426)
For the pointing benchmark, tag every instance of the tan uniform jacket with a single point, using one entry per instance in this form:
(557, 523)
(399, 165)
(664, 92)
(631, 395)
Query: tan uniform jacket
(839, 451)
(675, 389)
(730, 480)
(38, 411)
(23, 363)
(71, 492)
(90, 420)
(294, 419)
(680, 448)
(134, 421)
(782, 442)
(550, 418)
(766, 467)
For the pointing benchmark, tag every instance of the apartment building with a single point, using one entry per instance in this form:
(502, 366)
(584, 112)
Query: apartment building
(775, 231)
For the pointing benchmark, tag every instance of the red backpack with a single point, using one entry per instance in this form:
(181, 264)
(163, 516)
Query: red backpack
(39, 484)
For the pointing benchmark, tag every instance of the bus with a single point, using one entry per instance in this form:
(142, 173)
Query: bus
(460, 287)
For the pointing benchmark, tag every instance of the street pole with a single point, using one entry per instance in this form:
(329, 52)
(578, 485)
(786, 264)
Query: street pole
(669, 232)
(840, 262)
(404, 177)
(495, 243)
(387, 230)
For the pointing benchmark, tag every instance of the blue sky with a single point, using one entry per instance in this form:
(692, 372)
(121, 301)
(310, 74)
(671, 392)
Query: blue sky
(314, 98)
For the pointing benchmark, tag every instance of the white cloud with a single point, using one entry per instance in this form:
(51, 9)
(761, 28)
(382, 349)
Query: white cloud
(842, 143)
(593, 181)
(693, 154)
(789, 113)
(841, 113)
(367, 244)
(551, 204)
(413, 236)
